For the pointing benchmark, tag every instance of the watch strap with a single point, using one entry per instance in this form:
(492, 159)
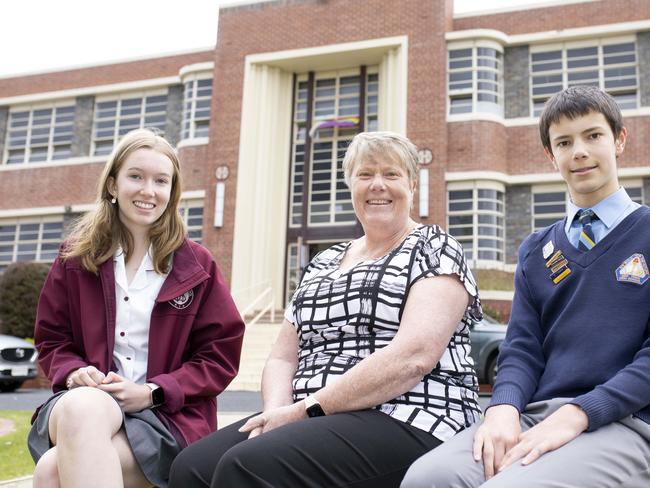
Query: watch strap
(313, 408)
(157, 395)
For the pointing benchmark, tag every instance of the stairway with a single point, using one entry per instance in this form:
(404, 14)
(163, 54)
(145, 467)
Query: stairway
(258, 340)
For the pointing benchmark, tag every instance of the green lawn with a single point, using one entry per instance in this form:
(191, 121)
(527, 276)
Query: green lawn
(15, 460)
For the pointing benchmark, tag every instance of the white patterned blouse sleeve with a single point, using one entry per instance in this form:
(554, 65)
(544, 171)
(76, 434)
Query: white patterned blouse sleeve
(441, 254)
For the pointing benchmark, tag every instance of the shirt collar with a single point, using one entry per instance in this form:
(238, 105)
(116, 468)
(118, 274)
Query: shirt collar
(148, 263)
(608, 210)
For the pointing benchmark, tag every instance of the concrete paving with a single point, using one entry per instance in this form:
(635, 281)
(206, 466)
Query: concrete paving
(228, 401)
(233, 406)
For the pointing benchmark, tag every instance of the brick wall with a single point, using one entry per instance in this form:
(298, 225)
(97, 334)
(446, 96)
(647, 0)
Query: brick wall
(260, 28)
(560, 17)
(100, 75)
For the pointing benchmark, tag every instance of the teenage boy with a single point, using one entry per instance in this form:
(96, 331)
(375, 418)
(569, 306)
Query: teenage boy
(571, 404)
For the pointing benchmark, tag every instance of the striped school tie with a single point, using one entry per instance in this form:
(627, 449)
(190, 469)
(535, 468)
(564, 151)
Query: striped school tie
(587, 240)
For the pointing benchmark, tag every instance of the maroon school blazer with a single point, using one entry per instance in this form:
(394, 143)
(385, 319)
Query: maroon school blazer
(195, 335)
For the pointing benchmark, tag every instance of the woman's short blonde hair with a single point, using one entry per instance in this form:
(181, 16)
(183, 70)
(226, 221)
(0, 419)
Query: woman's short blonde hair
(381, 146)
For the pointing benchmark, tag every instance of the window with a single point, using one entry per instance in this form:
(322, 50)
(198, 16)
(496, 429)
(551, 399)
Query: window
(549, 206)
(336, 107)
(475, 81)
(30, 239)
(610, 65)
(634, 189)
(114, 117)
(549, 203)
(476, 219)
(39, 134)
(192, 213)
(293, 271)
(197, 99)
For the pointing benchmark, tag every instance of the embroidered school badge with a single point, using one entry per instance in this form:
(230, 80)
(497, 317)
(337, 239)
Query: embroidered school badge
(182, 301)
(633, 270)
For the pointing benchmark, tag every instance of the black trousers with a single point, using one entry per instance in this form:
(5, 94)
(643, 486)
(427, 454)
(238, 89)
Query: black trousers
(355, 449)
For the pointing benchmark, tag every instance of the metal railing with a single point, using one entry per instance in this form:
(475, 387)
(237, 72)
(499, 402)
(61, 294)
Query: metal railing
(262, 304)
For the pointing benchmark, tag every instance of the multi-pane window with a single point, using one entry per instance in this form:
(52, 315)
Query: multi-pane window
(476, 219)
(475, 82)
(635, 190)
(610, 65)
(116, 116)
(192, 213)
(292, 271)
(30, 239)
(336, 112)
(39, 134)
(549, 206)
(197, 98)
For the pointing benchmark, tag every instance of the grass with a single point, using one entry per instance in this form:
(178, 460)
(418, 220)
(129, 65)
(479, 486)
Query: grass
(15, 460)
(493, 279)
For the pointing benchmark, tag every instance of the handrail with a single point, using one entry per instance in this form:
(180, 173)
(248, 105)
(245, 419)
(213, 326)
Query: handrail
(236, 293)
(270, 306)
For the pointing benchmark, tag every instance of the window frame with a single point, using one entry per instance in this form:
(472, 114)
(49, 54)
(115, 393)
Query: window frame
(189, 116)
(184, 207)
(41, 221)
(475, 212)
(600, 67)
(300, 189)
(547, 189)
(119, 98)
(28, 146)
(476, 104)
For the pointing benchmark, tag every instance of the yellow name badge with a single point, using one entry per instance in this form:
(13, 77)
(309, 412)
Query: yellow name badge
(559, 267)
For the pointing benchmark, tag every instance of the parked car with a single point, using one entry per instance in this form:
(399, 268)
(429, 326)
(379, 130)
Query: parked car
(486, 337)
(17, 362)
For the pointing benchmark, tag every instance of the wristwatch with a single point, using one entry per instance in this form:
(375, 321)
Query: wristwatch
(157, 395)
(313, 408)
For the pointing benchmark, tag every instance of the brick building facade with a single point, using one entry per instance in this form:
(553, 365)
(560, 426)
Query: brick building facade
(262, 180)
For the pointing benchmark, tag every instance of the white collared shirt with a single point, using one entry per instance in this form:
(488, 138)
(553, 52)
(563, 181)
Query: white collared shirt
(134, 304)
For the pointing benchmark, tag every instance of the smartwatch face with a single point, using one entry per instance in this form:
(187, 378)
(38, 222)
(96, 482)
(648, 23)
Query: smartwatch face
(315, 411)
(158, 396)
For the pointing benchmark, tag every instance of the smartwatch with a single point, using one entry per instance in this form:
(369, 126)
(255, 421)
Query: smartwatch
(313, 408)
(157, 395)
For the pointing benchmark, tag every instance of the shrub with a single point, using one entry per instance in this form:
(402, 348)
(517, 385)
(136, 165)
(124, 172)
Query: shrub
(20, 287)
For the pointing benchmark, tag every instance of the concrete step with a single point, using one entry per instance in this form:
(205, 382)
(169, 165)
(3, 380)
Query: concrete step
(258, 341)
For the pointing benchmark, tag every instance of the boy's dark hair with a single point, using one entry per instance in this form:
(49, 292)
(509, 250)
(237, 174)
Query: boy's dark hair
(577, 101)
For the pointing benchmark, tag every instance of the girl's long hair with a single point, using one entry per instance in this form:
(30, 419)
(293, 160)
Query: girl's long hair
(97, 235)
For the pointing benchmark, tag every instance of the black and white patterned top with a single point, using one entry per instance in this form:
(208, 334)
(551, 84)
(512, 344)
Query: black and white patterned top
(342, 317)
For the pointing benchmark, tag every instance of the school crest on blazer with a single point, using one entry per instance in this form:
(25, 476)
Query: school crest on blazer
(182, 301)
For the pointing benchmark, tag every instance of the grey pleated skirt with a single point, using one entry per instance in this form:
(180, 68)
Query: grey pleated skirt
(152, 444)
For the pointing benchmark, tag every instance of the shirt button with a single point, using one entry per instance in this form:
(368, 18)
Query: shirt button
(128, 358)
(122, 334)
(126, 299)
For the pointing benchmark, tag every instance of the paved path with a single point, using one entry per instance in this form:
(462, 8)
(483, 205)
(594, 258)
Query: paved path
(229, 401)
(233, 406)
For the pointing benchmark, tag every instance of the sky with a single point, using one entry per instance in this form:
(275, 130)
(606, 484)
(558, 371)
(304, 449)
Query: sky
(42, 35)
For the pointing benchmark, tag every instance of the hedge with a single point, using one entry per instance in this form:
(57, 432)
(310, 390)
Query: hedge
(20, 287)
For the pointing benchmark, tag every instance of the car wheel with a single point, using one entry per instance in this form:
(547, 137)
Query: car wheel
(491, 371)
(10, 386)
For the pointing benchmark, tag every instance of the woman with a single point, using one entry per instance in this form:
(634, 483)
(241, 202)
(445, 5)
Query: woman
(371, 367)
(135, 328)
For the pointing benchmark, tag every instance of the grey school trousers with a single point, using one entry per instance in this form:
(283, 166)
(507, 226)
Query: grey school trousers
(616, 455)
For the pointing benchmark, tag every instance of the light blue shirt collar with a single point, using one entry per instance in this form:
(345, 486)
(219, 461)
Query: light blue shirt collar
(608, 210)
